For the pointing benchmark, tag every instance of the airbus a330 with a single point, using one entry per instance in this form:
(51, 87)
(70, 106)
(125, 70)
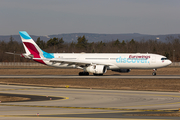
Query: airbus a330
(96, 63)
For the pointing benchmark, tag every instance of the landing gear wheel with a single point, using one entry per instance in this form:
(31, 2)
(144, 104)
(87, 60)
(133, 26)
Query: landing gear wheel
(86, 73)
(97, 74)
(83, 73)
(154, 73)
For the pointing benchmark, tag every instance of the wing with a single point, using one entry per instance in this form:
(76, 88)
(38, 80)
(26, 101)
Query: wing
(80, 63)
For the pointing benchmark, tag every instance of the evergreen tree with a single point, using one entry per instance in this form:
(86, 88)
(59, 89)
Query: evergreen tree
(60, 43)
(123, 43)
(40, 43)
(52, 42)
(82, 43)
(117, 43)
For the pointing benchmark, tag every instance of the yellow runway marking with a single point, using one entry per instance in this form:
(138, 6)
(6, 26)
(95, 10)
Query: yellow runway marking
(87, 108)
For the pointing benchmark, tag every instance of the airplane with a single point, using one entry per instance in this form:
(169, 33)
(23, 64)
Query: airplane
(96, 63)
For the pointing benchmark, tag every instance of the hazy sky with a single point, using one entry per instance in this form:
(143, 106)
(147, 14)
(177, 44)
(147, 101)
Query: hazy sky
(45, 17)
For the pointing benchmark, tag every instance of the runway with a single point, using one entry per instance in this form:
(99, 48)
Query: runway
(94, 77)
(87, 104)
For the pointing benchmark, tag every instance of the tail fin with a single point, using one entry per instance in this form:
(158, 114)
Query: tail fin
(32, 48)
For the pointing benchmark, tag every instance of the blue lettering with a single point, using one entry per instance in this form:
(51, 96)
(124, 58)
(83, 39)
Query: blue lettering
(133, 60)
(142, 60)
(128, 60)
(118, 60)
(121, 60)
(145, 60)
(124, 60)
(138, 60)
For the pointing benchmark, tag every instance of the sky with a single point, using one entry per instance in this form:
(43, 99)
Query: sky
(47, 17)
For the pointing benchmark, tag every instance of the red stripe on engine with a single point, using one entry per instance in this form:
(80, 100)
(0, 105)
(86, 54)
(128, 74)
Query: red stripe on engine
(33, 51)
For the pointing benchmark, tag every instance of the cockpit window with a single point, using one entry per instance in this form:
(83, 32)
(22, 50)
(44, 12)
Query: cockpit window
(164, 59)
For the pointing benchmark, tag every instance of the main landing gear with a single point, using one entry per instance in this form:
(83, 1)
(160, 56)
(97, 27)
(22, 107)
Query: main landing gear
(154, 72)
(83, 73)
(97, 74)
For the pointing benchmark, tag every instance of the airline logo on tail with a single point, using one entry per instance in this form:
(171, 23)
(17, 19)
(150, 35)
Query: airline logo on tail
(32, 48)
(24, 35)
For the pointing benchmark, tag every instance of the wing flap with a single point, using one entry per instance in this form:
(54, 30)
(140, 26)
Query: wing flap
(79, 62)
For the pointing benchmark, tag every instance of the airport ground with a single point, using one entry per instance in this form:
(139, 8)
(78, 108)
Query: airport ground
(99, 83)
(83, 104)
(46, 70)
(168, 85)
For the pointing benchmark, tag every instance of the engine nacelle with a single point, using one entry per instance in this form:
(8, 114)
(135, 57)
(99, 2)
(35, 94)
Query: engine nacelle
(96, 69)
(122, 70)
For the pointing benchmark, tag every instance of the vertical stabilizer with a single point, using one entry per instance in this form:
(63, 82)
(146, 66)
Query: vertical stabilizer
(32, 48)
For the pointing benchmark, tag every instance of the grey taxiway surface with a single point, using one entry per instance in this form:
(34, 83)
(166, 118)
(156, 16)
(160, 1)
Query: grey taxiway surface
(93, 77)
(86, 103)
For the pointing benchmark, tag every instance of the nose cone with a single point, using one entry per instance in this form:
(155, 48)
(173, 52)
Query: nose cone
(169, 62)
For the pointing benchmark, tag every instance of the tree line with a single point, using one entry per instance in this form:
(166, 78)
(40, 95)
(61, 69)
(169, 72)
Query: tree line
(170, 48)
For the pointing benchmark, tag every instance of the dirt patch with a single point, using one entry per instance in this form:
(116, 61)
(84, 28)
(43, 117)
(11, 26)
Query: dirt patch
(12, 99)
(176, 114)
(20, 97)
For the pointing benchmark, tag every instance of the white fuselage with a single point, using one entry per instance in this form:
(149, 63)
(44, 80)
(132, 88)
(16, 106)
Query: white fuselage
(96, 63)
(117, 60)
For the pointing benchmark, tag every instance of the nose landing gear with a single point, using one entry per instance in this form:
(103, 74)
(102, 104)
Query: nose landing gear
(154, 72)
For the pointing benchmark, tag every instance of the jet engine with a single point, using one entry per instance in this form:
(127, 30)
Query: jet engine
(96, 69)
(122, 70)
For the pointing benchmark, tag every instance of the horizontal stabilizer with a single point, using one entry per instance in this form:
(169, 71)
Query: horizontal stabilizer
(12, 53)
